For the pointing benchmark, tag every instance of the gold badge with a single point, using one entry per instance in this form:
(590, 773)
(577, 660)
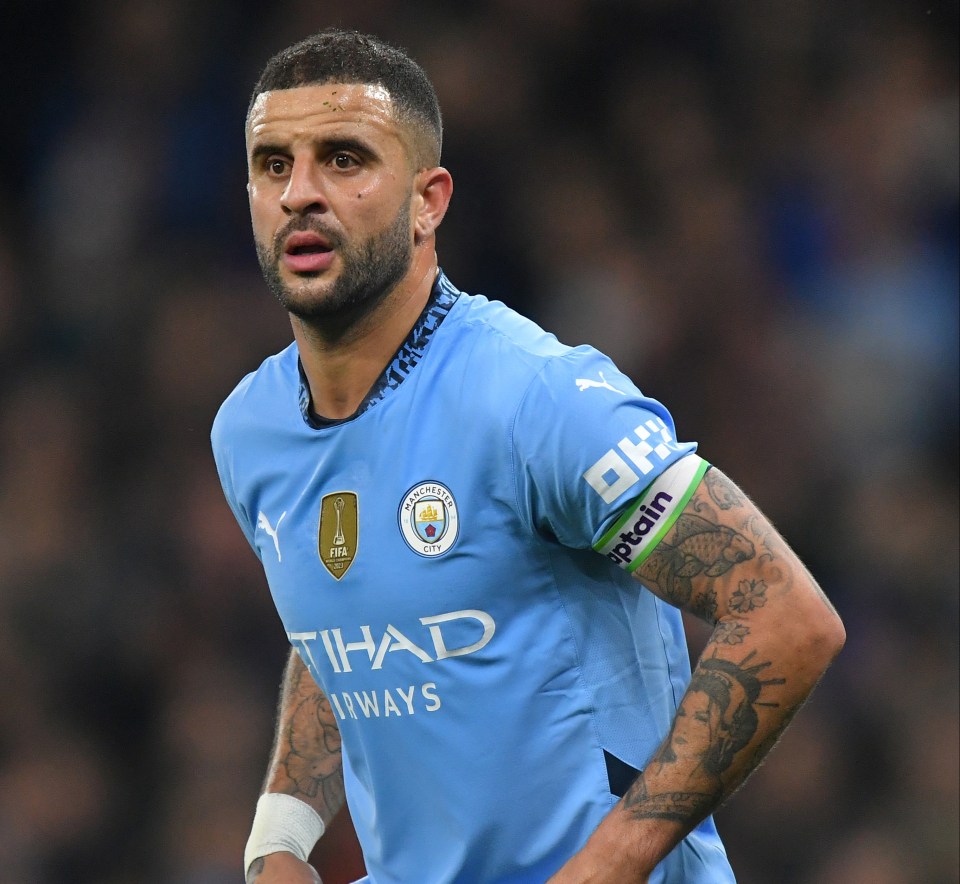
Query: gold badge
(338, 532)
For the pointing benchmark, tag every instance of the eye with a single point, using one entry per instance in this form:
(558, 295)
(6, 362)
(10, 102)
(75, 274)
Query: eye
(344, 160)
(276, 166)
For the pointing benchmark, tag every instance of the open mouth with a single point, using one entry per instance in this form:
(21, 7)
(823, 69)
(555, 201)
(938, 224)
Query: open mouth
(306, 243)
(307, 252)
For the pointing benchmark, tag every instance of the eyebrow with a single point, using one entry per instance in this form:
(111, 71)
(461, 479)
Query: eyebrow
(326, 145)
(265, 150)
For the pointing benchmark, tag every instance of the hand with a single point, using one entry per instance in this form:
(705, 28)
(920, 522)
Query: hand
(282, 868)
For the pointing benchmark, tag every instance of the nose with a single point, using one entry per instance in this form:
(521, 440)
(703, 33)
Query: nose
(304, 191)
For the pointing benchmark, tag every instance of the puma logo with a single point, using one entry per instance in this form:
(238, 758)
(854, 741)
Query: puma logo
(586, 384)
(264, 522)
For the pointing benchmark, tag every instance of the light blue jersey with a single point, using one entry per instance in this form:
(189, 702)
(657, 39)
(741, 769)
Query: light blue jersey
(452, 564)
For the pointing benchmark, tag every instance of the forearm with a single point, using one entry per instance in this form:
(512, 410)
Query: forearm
(773, 638)
(306, 760)
(742, 695)
(304, 781)
(774, 635)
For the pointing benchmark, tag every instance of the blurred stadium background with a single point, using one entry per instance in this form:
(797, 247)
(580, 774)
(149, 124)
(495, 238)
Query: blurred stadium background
(752, 206)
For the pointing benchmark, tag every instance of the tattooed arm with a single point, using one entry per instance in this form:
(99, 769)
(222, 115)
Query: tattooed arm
(306, 763)
(774, 635)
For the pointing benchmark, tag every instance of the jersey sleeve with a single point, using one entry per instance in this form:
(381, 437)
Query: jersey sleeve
(224, 461)
(597, 463)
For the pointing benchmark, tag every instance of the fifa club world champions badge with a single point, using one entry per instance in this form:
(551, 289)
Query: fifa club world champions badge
(338, 532)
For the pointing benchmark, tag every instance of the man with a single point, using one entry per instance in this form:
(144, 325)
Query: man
(478, 540)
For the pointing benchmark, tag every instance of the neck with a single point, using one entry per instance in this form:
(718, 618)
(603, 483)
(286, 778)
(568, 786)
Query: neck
(343, 359)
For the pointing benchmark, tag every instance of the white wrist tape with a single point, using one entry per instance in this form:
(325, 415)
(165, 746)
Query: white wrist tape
(282, 822)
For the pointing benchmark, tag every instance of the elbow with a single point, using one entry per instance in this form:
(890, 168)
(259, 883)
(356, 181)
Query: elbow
(825, 639)
(836, 635)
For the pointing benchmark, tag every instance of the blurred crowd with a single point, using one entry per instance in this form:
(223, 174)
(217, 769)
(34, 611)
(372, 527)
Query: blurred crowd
(752, 206)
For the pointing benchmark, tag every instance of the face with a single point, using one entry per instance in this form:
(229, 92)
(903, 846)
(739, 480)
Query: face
(330, 182)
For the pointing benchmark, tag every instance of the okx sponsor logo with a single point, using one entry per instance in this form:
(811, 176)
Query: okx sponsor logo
(622, 468)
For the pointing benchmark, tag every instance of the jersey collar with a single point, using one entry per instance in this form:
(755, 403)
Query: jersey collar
(442, 297)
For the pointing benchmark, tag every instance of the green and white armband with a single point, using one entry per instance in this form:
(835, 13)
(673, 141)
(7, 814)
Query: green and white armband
(282, 822)
(635, 534)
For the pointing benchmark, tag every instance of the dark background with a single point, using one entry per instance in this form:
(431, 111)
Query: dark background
(752, 206)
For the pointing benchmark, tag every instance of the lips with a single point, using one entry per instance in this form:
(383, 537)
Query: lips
(307, 252)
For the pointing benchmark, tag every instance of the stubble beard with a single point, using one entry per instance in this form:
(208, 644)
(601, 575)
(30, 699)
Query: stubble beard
(369, 271)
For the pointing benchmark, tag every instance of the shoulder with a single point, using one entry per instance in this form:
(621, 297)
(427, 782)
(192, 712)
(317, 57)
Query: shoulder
(492, 326)
(499, 326)
(258, 395)
(520, 362)
(499, 357)
(508, 350)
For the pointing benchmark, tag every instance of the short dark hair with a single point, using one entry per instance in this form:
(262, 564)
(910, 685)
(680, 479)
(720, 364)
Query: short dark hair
(340, 56)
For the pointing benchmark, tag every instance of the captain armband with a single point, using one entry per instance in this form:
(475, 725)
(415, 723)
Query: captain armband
(637, 532)
(282, 822)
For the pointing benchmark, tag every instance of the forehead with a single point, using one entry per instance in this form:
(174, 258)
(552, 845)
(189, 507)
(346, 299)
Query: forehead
(308, 111)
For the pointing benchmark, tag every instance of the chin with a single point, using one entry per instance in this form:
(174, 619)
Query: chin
(307, 298)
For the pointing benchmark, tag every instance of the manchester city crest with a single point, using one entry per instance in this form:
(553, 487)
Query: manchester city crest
(428, 519)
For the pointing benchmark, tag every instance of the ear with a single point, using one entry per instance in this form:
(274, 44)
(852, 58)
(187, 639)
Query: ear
(432, 191)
